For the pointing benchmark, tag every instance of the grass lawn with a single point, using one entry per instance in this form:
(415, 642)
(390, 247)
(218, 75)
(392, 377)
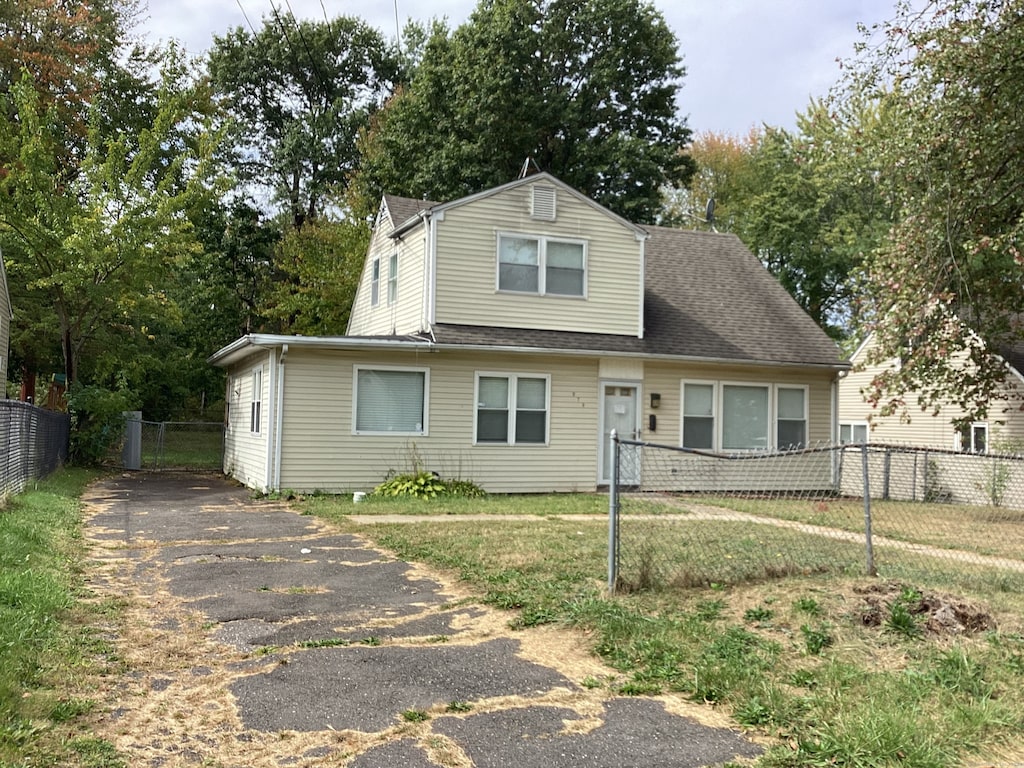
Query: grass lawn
(47, 647)
(833, 667)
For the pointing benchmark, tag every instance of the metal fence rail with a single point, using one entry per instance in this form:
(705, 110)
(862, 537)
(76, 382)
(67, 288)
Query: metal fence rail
(169, 445)
(683, 517)
(34, 443)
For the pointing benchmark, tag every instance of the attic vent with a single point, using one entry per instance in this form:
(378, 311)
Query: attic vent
(543, 207)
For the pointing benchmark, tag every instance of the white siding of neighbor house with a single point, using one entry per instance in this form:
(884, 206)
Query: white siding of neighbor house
(245, 453)
(467, 248)
(923, 429)
(406, 315)
(320, 451)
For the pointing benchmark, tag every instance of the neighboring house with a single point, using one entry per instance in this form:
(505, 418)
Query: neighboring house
(859, 422)
(501, 337)
(6, 315)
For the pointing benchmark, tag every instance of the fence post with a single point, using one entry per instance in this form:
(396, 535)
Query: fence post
(613, 514)
(869, 550)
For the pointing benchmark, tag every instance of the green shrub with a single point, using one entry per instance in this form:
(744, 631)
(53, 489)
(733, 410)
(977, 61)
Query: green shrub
(97, 423)
(426, 485)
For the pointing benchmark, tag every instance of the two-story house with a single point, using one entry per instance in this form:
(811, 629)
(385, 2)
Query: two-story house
(501, 337)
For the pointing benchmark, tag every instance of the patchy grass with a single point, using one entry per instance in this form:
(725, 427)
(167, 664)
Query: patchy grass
(46, 645)
(789, 654)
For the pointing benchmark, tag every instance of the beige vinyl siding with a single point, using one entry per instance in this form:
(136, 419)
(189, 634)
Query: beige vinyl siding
(467, 267)
(245, 453)
(319, 451)
(5, 332)
(406, 314)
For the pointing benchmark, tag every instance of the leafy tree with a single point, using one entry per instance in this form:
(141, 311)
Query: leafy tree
(587, 90)
(298, 93)
(946, 286)
(94, 243)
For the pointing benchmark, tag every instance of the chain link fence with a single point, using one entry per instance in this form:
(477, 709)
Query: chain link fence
(692, 518)
(34, 442)
(173, 445)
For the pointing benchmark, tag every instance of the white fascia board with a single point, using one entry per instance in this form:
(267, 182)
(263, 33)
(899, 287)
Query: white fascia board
(247, 345)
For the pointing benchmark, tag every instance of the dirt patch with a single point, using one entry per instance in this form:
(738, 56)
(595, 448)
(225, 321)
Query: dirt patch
(881, 605)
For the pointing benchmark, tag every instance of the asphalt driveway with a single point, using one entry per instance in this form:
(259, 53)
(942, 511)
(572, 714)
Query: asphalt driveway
(251, 635)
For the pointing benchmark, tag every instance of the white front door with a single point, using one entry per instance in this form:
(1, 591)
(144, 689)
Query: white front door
(619, 412)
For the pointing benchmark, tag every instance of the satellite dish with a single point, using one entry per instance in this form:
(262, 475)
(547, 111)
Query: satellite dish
(709, 212)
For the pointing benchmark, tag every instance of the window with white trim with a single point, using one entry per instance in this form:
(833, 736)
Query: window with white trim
(745, 417)
(973, 438)
(790, 417)
(390, 401)
(737, 416)
(853, 432)
(375, 283)
(542, 265)
(512, 409)
(256, 403)
(393, 278)
(698, 415)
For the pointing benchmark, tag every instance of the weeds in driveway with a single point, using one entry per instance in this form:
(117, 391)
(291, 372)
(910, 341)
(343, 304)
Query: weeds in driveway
(796, 658)
(46, 643)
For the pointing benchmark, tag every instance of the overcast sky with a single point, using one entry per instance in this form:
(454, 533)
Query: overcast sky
(747, 62)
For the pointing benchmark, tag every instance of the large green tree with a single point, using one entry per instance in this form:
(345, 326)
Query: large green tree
(298, 92)
(947, 286)
(587, 90)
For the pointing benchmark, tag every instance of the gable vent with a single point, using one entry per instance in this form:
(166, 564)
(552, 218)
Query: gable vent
(543, 203)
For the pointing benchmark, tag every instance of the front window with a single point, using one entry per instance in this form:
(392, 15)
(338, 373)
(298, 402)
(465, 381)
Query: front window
(790, 417)
(744, 417)
(512, 409)
(541, 265)
(391, 401)
(698, 416)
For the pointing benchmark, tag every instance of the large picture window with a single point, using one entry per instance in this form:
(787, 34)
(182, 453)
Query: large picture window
(744, 417)
(541, 265)
(737, 416)
(511, 409)
(391, 401)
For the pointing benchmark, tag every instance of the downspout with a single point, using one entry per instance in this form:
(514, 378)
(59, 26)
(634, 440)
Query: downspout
(280, 417)
(268, 462)
(432, 285)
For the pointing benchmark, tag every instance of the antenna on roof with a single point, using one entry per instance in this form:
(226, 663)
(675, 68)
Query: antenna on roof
(529, 168)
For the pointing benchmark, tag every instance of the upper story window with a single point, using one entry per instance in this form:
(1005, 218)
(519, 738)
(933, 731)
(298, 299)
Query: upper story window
(393, 278)
(375, 283)
(541, 265)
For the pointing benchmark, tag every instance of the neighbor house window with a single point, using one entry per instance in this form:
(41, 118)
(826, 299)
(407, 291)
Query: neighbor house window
(973, 438)
(853, 432)
(698, 415)
(256, 404)
(375, 283)
(745, 417)
(393, 278)
(541, 265)
(790, 417)
(391, 401)
(511, 409)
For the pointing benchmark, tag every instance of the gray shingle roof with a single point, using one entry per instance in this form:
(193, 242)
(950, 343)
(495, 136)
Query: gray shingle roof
(404, 208)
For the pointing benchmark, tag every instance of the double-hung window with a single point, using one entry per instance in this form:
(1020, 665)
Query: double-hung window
(973, 438)
(790, 417)
(375, 283)
(541, 265)
(390, 401)
(393, 278)
(256, 402)
(512, 409)
(698, 415)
